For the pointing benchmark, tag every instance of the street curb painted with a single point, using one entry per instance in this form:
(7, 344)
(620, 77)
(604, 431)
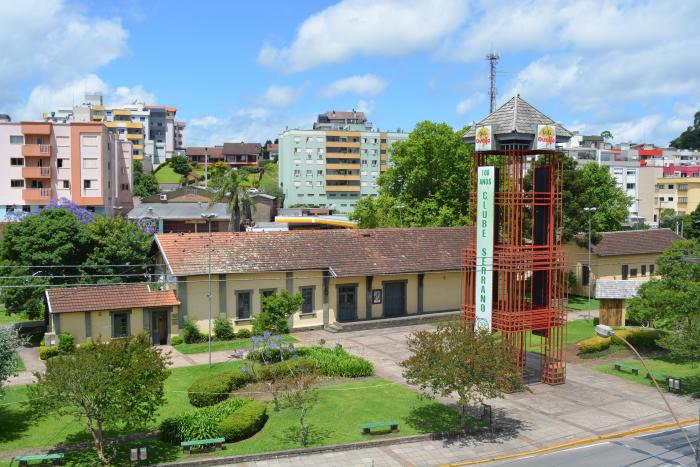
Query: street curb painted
(571, 444)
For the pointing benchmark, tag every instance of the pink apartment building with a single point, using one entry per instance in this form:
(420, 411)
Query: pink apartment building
(80, 161)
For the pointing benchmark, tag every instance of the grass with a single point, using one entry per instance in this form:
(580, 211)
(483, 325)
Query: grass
(369, 400)
(202, 347)
(578, 303)
(576, 330)
(687, 372)
(11, 318)
(20, 363)
(166, 174)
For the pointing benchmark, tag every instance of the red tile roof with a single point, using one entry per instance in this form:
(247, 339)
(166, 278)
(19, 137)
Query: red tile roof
(346, 252)
(108, 297)
(635, 242)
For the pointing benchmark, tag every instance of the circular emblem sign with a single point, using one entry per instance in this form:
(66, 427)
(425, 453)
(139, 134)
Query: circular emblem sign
(482, 324)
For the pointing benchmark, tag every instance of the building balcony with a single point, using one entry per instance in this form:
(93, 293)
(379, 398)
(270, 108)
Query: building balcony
(36, 195)
(36, 150)
(342, 177)
(345, 188)
(36, 172)
(134, 135)
(342, 144)
(355, 166)
(36, 128)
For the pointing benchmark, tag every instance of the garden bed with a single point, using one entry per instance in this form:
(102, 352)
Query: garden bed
(218, 345)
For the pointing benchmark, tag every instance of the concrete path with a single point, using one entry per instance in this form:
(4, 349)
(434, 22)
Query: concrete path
(178, 359)
(32, 363)
(588, 405)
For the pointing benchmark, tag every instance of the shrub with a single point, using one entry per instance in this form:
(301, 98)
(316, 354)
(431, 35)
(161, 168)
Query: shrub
(243, 334)
(199, 423)
(66, 342)
(86, 345)
(276, 310)
(249, 169)
(271, 354)
(281, 370)
(212, 389)
(593, 344)
(191, 333)
(244, 422)
(337, 362)
(644, 338)
(176, 340)
(223, 329)
(47, 352)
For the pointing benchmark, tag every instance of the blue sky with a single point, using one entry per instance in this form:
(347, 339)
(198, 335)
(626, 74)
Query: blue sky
(246, 70)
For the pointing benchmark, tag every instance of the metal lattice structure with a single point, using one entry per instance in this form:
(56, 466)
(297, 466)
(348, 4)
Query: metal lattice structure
(529, 281)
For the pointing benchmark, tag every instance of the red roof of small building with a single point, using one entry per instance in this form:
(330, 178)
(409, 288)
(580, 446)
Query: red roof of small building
(683, 169)
(108, 297)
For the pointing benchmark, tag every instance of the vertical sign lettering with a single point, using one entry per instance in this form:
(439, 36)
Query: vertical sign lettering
(484, 247)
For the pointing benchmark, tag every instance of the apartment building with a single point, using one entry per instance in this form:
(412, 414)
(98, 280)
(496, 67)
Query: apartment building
(335, 164)
(154, 133)
(80, 161)
(678, 189)
(236, 155)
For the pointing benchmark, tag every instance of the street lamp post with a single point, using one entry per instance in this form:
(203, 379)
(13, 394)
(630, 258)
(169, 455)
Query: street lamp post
(400, 208)
(208, 216)
(606, 331)
(590, 212)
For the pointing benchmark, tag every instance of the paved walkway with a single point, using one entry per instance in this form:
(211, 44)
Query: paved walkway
(589, 404)
(178, 360)
(32, 363)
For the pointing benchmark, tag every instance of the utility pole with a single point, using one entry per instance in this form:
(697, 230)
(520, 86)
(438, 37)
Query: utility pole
(206, 167)
(493, 61)
(590, 212)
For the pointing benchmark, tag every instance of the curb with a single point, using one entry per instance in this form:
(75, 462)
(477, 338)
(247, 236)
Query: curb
(580, 442)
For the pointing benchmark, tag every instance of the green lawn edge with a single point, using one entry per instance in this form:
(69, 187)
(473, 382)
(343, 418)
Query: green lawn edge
(235, 344)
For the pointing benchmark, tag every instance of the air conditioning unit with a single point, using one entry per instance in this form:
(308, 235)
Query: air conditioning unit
(163, 197)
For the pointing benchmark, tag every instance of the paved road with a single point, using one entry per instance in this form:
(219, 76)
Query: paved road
(665, 448)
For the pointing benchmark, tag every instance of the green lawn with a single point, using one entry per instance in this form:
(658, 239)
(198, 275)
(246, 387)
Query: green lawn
(11, 318)
(578, 303)
(576, 330)
(202, 347)
(20, 366)
(166, 174)
(689, 373)
(341, 409)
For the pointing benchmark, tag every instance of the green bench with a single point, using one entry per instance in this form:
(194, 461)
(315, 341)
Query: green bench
(394, 426)
(621, 366)
(188, 445)
(54, 458)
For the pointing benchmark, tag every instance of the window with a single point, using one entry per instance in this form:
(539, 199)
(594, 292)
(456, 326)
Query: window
(670, 187)
(631, 172)
(17, 183)
(87, 184)
(585, 275)
(243, 305)
(307, 293)
(297, 173)
(319, 173)
(630, 186)
(66, 184)
(633, 272)
(374, 162)
(309, 173)
(670, 198)
(59, 163)
(120, 325)
(16, 139)
(125, 187)
(644, 269)
(364, 162)
(683, 200)
(16, 161)
(309, 183)
(319, 183)
(651, 269)
(625, 271)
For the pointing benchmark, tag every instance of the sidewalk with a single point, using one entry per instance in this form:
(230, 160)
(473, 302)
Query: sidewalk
(32, 363)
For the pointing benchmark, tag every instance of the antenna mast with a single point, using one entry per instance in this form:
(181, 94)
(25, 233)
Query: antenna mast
(493, 61)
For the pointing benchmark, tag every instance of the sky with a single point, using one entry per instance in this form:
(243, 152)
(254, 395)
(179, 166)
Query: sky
(245, 71)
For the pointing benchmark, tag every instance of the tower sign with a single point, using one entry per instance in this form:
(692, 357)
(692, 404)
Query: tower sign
(483, 293)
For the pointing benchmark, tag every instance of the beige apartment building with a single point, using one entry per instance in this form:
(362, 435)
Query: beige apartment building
(678, 189)
(80, 161)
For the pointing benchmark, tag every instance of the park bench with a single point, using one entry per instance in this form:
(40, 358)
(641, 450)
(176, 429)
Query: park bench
(621, 366)
(394, 426)
(54, 458)
(216, 442)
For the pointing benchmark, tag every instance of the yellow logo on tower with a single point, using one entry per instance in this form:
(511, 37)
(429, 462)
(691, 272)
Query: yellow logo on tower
(484, 139)
(546, 137)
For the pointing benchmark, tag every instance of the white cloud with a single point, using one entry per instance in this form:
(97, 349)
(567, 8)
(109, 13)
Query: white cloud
(48, 97)
(362, 85)
(49, 41)
(366, 106)
(465, 105)
(279, 96)
(366, 27)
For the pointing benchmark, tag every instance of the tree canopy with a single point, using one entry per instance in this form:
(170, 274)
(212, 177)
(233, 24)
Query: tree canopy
(690, 138)
(180, 164)
(145, 184)
(232, 185)
(671, 300)
(9, 344)
(427, 182)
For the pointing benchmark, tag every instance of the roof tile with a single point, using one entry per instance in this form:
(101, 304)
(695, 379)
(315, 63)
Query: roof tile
(108, 297)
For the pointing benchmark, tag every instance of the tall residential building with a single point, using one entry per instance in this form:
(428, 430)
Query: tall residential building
(678, 189)
(80, 161)
(335, 164)
(153, 131)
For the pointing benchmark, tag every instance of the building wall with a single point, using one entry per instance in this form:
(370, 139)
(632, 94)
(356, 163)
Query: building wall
(442, 291)
(682, 194)
(604, 267)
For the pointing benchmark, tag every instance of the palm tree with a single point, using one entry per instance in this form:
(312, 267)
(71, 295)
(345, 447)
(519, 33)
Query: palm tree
(233, 185)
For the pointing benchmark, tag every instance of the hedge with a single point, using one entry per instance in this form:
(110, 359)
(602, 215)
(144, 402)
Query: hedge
(176, 340)
(47, 352)
(644, 338)
(199, 423)
(337, 362)
(244, 422)
(212, 389)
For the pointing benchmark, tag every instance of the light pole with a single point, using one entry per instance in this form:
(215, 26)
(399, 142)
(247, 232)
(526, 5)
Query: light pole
(400, 208)
(606, 331)
(208, 216)
(590, 212)
(206, 167)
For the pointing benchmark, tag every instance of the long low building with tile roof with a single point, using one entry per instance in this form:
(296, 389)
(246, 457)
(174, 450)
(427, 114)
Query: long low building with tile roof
(342, 275)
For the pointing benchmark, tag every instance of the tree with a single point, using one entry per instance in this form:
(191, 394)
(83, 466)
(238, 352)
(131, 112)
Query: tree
(299, 394)
(671, 301)
(427, 184)
(111, 386)
(606, 135)
(691, 227)
(690, 138)
(592, 186)
(116, 241)
(670, 219)
(276, 311)
(232, 185)
(9, 344)
(145, 184)
(264, 151)
(455, 358)
(180, 164)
